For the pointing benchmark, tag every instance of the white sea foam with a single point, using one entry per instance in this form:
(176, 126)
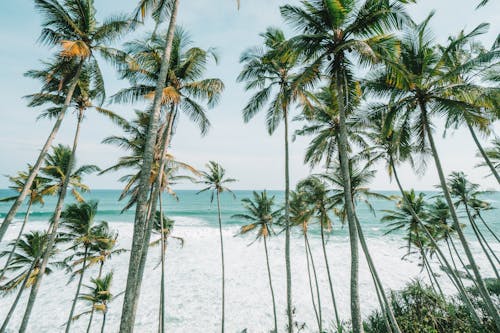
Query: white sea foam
(193, 282)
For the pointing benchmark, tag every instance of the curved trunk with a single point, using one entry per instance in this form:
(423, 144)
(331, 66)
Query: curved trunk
(16, 301)
(14, 247)
(53, 228)
(73, 305)
(222, 259)
(488, 227)
(323, 245)
(138, 241)
(288, 264)
(453, 273)
(483, 153)
(309, 262)
(343, 147)
(490, 307)
(36, 167)
(271, 286)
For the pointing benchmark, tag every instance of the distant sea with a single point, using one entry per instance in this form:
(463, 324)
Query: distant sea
(193, 271)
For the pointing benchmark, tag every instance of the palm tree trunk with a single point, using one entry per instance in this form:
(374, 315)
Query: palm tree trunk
(388, 308)
(222, 259)
(93, 303)
(155, 195)
(480, 240)
(53, 228)
(271, 286)
(453, 274)
(490, 307)
(287, 228)
(73, 305)
(138, 242)
(483, 153)
(36, 167)
(16, 301)
(26, 217)
(488, 227)
(103, 322)
(308, 263)
(323, 245)
(343, 147)
(161, 326)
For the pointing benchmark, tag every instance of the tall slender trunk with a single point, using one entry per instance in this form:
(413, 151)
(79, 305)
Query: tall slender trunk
(36, 167)
(14, 247)
(490, 307)
(343, 147)
(388, 308)
(488, 227)
(483, 153)
(93, 303)
(480, 239)
(103, 321)
(222, 259)
(271, 286)
(325, 256)
(161, 326)
(309, 263)
(288, 264)
(53, 228)
(18, 297)
(155, 195)
(138, 242)
(453, 274)
(73, 305)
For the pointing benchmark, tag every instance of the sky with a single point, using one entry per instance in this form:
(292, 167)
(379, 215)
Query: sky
(247, 152)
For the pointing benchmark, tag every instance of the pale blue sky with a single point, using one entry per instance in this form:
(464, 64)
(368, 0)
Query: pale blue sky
(246, 150)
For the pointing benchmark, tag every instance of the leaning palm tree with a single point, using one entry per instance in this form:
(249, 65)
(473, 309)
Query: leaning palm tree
(334, 36)
(273, 71)
(25, 264)
(61, 169)
(493, 154)
(215, 180)
(260, 216)
(421, 86)
(36, 195)
(99, 296)
(73, 26)
(317, 194)
(78, 222)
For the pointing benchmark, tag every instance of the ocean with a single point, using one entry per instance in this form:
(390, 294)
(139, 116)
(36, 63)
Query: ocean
(193, 271)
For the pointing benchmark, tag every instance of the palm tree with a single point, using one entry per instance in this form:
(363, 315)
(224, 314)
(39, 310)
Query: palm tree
(78, 221)
(164, 227)
(301, 216)
(72, 26)
(273, 71)
(36, 196)
(318, 196)
(493, 154)
(99, 296)
(26, 263)
(139, 241)
(214, 178)
(420, 86)
(260, 217)
(60, 168)
(334, 35)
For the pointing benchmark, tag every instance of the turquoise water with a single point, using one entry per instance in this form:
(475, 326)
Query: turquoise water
(199, 208)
